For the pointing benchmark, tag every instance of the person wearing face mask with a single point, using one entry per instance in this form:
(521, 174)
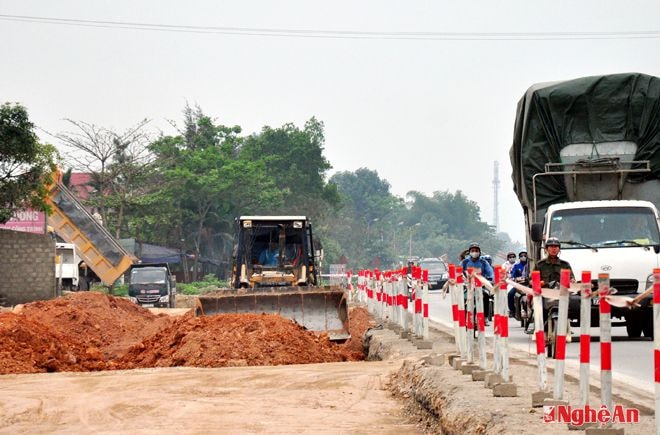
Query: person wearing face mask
(519, 273)
(474, 260)
(508, 266)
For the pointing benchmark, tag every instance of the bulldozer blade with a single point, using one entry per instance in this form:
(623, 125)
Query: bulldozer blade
(319, 309)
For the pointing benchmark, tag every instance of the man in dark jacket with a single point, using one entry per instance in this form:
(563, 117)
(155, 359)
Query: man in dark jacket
(550, 267)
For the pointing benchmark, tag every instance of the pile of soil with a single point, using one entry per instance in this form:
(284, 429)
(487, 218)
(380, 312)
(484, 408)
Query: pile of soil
(92, 331)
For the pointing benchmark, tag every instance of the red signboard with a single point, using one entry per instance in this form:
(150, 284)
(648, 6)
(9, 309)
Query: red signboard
(27, 221)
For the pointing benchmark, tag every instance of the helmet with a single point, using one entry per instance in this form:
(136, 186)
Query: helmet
(488, 258)
(521, 253)
(510, 254)
(474, 245)
(552, 241)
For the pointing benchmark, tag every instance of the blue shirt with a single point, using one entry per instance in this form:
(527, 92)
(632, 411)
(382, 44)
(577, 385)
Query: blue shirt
(520, 270)
(479, 263)
(268, 257)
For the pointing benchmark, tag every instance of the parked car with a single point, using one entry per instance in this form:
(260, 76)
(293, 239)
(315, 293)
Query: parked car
(438, 273)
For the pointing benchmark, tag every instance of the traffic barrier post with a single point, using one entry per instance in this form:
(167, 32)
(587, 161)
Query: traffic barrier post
(585, 337)
(460, 298)
(425, 305)
(537, 301)
(481, 321)
(605, 341)
(497, 356)
(656, 344)
(468, 318)
(560, 334)
(454, 306)
(504, 332)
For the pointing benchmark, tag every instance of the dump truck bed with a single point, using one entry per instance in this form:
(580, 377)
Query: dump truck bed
(319, 309)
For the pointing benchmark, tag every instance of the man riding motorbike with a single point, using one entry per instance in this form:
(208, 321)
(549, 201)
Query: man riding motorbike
(519, 273)
(475, 261)
(550, 269)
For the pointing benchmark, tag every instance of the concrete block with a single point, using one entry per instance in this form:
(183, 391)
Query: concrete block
(434, 359)
(479, 375)
(492, 379)
(451, 357)
(467, 369)
(506, 389)
(555, 402)
(457, 364)
(604, 431)
(583, 427)
(404, 334)
(538, 398)
(423, 344)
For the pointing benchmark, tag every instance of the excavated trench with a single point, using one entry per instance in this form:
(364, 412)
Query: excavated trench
(91, 331)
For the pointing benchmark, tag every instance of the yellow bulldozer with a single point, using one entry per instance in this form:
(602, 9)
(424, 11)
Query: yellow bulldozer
(275, 271)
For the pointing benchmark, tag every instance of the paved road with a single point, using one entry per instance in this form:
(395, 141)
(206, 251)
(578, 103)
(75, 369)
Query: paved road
(632, 359)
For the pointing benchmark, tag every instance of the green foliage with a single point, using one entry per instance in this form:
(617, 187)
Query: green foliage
(119, 290)
(26, 165)
(208, 283)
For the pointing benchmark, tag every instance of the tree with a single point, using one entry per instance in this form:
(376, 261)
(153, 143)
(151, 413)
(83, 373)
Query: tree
(365, 226)
(208, 181)
(93, 149)
(26, 165)
(294, 159)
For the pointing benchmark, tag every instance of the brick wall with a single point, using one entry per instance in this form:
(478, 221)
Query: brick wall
(27, 267)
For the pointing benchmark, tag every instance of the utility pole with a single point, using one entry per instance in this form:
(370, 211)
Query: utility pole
(496, 188)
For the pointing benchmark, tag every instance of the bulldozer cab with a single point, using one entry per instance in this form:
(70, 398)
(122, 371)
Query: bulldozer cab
(274, 271)
(274, 251)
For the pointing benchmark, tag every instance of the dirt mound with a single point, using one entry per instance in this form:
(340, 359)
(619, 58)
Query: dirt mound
(92, 331)
(234, 340)
(28, 346)
(97, 320)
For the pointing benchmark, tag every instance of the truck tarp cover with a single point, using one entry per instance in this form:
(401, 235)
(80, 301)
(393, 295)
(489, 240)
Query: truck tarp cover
(620, 107)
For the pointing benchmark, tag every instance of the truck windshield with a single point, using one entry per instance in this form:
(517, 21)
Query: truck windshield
(148, 276)
(605, 227)
(434, 266)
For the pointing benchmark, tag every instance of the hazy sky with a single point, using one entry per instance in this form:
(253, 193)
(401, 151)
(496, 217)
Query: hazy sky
(427, 115)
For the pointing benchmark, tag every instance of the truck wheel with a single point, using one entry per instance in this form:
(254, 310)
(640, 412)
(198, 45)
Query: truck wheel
(634, 326)
(647, 324)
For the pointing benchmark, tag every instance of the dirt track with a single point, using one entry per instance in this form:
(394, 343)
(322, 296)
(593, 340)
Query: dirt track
(332, 397)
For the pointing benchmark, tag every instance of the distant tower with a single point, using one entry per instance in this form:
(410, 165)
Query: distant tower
(496, 188)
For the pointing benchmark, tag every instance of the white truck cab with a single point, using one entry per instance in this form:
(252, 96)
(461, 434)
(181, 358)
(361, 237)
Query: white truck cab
(66, 266)
(621, 238)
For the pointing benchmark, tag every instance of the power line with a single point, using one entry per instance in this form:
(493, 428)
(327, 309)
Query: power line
(336, 34)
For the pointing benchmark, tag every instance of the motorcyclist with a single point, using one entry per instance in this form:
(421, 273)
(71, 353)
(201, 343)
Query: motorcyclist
(474, 260)
(550, 267)
(519, 273)
(508, 265)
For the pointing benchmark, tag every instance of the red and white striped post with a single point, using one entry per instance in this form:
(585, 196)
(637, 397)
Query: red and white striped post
(481, 321)
(538, 329)
(468, 317)
(497, 353)
(656, 344)
(379, 294)
(349, 285)
(404, 301)
(585, 337)
(504, 332)
(425, 305)
(418, 301)
(605, 341)
(462, 336)
(454, 306)
(560, 334)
